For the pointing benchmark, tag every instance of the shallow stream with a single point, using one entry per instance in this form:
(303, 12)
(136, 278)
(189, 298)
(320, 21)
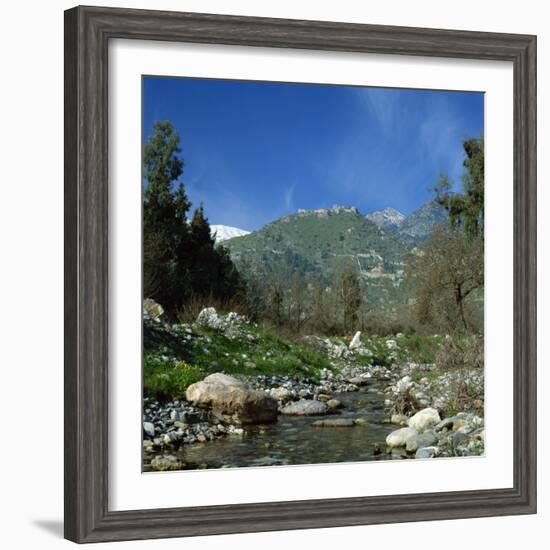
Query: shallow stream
(292, 440)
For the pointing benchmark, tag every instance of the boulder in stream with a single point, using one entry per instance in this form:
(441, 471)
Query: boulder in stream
(232, 401)
(404, 437)
(424, 419)
(306, 407)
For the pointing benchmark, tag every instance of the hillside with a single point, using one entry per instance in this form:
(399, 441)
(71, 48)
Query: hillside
(421, 222)
(319, 242)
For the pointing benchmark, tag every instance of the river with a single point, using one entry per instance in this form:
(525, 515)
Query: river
(292, 440)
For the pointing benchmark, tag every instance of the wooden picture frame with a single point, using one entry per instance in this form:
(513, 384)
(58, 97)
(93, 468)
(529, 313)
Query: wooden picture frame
(87, 34)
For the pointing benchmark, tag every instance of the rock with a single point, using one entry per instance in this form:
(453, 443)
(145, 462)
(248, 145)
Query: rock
(355, 341)
(426, 439)
(445, 424)
(282, 394)
(166, 463)
(411, 445)
(400, 438)
(149, 429)
(391, 344)
(324, 397)
(152, 310)
(424, 419)
(363, 351)
(306, 407)
(459, 423)
(334, 404)
(399, 419)
(459, 438)
(358, 381)
(334, 423)
(208, 317)
(335, 350)
(427, 452)
(404, 384)
(232, 401)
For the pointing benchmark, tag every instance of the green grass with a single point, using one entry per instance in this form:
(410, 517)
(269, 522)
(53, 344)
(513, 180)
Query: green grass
(164, 379)
(255, 351)
(178, 356)
(259, 347)
(411, 348)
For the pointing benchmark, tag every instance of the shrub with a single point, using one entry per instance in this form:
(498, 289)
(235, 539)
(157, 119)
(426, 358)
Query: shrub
(420, 349)
(164, 379)
(461, 350)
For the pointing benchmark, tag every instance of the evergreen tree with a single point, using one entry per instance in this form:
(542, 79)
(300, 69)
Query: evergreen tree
(164, 218)
(180, 259)
(466, 209)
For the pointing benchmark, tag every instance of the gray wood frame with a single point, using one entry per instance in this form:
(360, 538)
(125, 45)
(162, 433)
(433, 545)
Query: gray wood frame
(87, 34)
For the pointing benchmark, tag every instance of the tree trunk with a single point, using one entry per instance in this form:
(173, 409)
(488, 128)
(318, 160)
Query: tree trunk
(459, 298)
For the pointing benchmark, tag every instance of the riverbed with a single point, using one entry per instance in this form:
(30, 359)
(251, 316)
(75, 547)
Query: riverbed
(293, 439)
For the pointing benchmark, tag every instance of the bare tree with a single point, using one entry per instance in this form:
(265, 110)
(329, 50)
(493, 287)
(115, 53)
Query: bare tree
(447, 273)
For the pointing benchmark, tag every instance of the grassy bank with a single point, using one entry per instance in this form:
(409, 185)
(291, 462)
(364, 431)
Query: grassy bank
(176, 356)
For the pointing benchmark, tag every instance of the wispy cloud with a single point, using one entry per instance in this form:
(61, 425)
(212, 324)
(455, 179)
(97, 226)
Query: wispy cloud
(440, 137)
(289, 198)
(383, 105)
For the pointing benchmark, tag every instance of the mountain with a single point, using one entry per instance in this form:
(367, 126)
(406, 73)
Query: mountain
(420, 223)
(318, 243)
(225, 232)
(412, 229)
(389, 218)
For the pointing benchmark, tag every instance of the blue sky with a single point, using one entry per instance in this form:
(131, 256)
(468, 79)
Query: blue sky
(255, 151)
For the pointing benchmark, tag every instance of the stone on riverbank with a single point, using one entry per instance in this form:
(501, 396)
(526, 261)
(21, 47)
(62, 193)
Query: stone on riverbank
(426, 439)
(424, 419)
(149, 429)
(334, 404)
(166, 463)
(306, 407)
(404, 437)
(232, 401)
(427, 452)
(282, 394)
(359, 380)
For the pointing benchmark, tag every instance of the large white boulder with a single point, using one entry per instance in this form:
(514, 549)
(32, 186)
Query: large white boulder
(404, 437)
(232, 401)
(424, 419)
(355, 341)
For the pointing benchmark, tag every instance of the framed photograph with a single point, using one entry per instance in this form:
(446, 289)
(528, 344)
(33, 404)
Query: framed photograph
(300, 274)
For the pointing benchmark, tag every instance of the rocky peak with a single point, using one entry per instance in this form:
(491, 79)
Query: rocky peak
(386, 217)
